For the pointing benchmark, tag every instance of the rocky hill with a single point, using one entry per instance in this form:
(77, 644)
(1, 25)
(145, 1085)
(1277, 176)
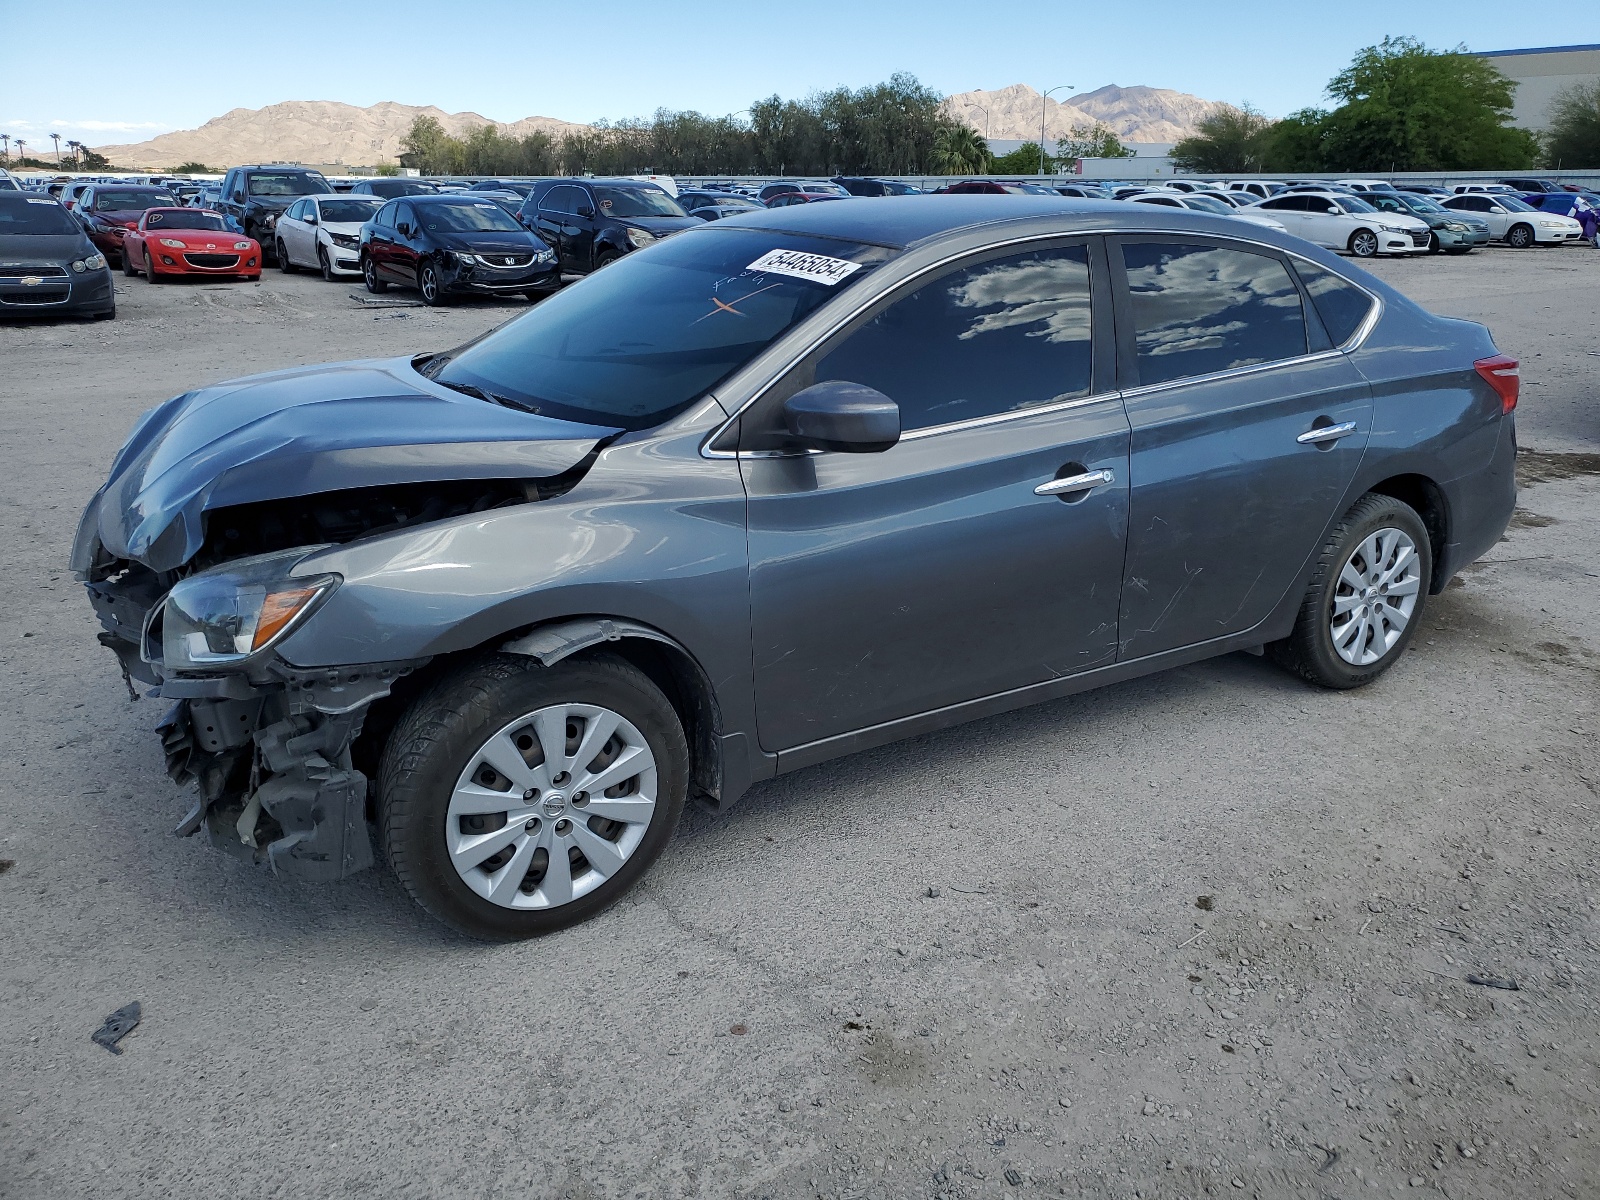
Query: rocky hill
(309, 131)
(1137, 114)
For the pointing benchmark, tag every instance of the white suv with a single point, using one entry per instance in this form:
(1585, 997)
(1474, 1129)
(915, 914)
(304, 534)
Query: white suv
(1261, 189)
(1341, 221)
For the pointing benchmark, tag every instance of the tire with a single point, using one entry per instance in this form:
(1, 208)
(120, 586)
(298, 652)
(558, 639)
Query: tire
(369, 275)
(428, 284)
(534, 296)
(605, 258)
(1382, 529)
(150, 267)
(284, 265)
(1364, 243)
(324, 264)
(1519, 237)
(127, 264)
(437, 758)
(1433, 243)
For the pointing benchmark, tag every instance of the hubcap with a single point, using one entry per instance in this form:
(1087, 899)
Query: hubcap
(1375, 597)
(551, 806)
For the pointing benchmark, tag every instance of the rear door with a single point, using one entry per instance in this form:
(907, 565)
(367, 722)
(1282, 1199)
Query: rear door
(380, 245)
(403, 255)
(1290, 211)
(556, 225)
(891, 584)
(1247, 429)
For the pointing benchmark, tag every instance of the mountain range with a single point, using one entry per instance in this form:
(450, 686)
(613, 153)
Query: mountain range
(1135, 114)
(326, 132)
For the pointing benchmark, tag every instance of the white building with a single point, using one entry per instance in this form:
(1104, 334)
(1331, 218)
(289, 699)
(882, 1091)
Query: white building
(1540, 73)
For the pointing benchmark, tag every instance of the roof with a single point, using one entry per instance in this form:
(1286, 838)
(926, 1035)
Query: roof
(898, 221)
(1533, 50)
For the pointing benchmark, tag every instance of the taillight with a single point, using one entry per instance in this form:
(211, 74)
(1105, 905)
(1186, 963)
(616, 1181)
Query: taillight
(1504, 374)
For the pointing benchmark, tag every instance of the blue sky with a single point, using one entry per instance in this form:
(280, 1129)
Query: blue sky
(617, 59)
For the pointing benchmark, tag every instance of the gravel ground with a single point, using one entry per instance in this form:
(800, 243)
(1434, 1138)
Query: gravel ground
(1204, 934)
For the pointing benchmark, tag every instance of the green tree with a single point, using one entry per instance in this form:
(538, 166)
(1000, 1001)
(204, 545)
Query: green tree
(1408, 108)
(1092, 141)
(1574, 136)
(1228, 141)
(88, 160)
(959, 150)
(188, 168)
(1296, 143)
(1024, 160)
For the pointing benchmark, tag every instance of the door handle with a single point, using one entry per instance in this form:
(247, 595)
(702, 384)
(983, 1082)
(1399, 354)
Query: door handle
(1074, 483)
(1326, 433)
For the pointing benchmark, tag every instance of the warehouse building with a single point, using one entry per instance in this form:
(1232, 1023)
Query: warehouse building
(1540, 74)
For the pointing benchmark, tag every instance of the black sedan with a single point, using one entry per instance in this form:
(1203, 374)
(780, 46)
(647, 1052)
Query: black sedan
(47, 263)
(452, 245)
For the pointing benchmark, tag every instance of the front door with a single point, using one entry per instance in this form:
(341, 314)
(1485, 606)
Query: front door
(891, 584)
(1245, 437)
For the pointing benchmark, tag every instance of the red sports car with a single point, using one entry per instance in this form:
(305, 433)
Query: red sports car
(188, 241)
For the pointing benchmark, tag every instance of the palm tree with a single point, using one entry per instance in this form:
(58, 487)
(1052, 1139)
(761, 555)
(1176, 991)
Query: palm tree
(5, 141)
(77, 149)
(22, 151)
(958, 150)
(57, 138)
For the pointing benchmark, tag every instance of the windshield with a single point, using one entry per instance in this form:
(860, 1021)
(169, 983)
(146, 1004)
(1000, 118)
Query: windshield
(390, 188)
(640, 341)
(129, 201)
(637, 202)
(467, 216)
(296, 183)
(1210, 204)
(348, 212)
(1351, 205)
(1514, 204)
(188, 218)
(19, 214)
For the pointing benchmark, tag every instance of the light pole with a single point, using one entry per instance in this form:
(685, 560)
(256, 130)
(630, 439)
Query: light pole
(985, 113)
(1043, 106)
(57, 138)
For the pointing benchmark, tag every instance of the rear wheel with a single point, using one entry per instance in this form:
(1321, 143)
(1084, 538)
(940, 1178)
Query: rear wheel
(369, 275)
(1365, 597)
(1364, 243)
(1520, 237)
(284, 265)
(518, 799)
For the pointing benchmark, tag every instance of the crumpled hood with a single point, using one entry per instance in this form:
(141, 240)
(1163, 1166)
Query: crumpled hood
(302, 432)
(492, 242)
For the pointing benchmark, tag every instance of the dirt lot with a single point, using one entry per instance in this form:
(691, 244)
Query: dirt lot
(1206, 934)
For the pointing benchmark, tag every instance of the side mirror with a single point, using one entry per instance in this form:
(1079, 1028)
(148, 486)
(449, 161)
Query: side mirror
(403, 229)
(238, 197)
(847, 417)
(585, 211)
(311, 218)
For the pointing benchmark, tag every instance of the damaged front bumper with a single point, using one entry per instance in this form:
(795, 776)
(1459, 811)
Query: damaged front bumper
(267, 747)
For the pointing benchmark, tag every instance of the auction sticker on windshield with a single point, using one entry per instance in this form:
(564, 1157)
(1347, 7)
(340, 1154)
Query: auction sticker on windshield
(818, 268)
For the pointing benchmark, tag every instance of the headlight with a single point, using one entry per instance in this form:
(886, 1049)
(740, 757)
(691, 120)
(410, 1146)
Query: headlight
(467, 258)
(95, 262)
(1457, 227)
(173, 242)
(1391, 228)
(344, 240)
(545, 256)
(81, 265)
(1550, 224)
(640, 237)
(241, 245)
(227, 615)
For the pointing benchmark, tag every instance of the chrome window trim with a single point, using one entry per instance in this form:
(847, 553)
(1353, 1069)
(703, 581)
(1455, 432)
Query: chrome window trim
(1354, 342)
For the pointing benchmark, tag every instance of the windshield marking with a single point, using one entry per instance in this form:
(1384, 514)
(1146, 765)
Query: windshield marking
(721, 307)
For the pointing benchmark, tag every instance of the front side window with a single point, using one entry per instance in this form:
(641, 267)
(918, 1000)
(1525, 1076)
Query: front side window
(1201, 309)
(1007, 334)
(634, 344)
(561, 200)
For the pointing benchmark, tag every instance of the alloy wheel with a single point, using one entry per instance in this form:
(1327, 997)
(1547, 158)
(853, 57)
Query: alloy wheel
(1375, 597)
(1364, 244)
(551, 806)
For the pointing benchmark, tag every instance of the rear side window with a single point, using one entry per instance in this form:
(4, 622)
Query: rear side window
(1340, 303)
(1201, 309)
(1008, 334)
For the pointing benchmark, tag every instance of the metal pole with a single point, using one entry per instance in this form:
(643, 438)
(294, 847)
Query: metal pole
(1043, 106)
(985, 113)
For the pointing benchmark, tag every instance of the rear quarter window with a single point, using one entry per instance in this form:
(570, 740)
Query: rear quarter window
(1341, 304)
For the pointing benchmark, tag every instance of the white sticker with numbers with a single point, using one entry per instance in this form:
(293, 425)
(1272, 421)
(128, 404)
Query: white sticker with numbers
(818, 268)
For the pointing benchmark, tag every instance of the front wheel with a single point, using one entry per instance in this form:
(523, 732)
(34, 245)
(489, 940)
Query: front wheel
(150, 266)
(324, 265)
(517, 799)
(1364, 243)
(369, 275)
(1365, 598)
(284, 265)
(605, 258)
(1433, 243)
(428, 284)
(1520, 237)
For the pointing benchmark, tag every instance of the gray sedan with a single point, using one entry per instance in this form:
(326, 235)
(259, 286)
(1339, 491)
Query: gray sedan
(771, 491)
